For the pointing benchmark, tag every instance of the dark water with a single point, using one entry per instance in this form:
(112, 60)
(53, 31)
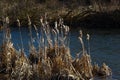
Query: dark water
(104, 45)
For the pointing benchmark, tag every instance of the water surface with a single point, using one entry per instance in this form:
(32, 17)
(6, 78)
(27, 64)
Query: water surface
(104, 46)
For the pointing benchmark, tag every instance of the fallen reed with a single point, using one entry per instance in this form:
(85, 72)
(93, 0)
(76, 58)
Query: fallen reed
(51, 60)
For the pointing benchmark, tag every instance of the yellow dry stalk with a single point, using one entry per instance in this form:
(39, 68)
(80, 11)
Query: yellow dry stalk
(96, 69)
(40, 70)
(105, 70)
(33, 50)
(44, 69)
(22, 59)
(85, 65)
(22, 69)
(29, 20)
(8, 56)
(58, 64)
(51, 52)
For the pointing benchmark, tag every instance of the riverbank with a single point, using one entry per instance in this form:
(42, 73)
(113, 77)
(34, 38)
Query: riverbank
(76, 18)
(81, 13)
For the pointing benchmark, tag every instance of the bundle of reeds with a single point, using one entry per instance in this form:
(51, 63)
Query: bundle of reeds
(51, 60)
(22, 69)
(8, 52)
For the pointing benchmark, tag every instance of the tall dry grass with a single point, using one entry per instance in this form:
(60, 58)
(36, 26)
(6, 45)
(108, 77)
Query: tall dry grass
(51, 60)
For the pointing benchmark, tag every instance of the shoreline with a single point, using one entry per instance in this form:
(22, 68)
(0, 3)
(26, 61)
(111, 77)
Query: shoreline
(86, 19)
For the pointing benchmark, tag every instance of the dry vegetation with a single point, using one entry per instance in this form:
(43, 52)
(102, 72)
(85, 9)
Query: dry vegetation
(52, 60)
(54, 8)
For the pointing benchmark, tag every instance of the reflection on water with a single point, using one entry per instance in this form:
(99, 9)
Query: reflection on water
(104, 45)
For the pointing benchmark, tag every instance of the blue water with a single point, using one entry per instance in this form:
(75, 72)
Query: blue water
(104, 46)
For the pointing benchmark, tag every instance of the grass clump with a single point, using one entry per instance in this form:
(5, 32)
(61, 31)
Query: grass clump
(51, 60)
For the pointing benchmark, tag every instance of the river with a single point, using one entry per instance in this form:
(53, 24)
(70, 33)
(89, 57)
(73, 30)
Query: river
(104, 45)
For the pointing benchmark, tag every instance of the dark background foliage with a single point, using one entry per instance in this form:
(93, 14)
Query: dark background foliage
(35, 8)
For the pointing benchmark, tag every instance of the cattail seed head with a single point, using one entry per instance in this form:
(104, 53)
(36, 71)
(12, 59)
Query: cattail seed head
(56, 24)
(42, 40)
(7, 20)
(29, 21)
(41, 19)
(35, 27)
(81, 34)
(68, 29)
(18, 22)
(88, 37)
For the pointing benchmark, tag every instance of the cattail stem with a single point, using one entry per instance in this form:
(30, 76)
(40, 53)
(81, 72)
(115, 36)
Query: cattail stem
(21, 37)
(83, 47)
(30, 29)
(37, 34)
(88, 38)
(18, 22)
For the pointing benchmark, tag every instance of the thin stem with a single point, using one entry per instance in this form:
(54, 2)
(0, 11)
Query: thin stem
(21, 37)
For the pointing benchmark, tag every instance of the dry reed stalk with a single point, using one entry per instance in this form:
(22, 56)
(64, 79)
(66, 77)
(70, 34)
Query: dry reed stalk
(8, 51)
(30, 29)
(96, 69)
(38, 38)
(22, 68)
(83, 65)
(33, 56)
(105, 70)
(88, 39)
(44, 69)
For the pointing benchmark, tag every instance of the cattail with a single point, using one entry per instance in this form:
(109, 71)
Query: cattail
(18, 22)
(42, 23)
(42, 40)
(64, 26)
(57, 30)
(81, 34)
(56, 24)
(41, 19)
(29, 24)
(68, 29)
(55, 34)
(60, 22)
(7, 20)
(29, 21)
(88, 37)
(80, 38)
(54, 31)
(36, 30)
(10, 45)
(35, 27)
